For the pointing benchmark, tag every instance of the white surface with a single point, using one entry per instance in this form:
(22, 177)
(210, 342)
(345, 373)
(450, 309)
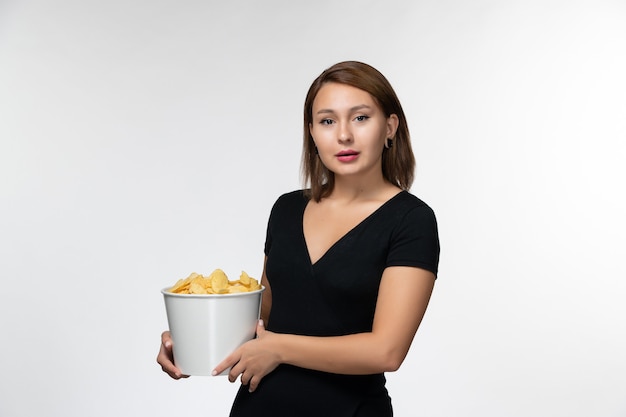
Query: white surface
(205, 329)
(141, 140)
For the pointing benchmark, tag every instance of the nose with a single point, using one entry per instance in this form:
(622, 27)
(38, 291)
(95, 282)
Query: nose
(344, 133)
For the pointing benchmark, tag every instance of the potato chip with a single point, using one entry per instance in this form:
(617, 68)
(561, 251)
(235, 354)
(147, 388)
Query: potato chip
(179, 284)
(197, 288)
(244, 278)
(216, 283)
(254, 285)
(237, 289)
(219, 281)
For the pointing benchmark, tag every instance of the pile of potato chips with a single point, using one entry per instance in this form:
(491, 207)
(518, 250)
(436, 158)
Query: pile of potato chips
(216, 283)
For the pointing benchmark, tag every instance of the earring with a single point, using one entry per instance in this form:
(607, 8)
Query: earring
(388, 143)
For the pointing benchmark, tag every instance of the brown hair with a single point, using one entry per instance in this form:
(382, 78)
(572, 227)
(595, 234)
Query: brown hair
(398, 162)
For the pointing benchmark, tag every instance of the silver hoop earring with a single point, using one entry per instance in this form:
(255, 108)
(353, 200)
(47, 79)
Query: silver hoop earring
(388, 143)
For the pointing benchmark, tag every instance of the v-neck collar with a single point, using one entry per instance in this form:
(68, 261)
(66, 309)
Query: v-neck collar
(344, 236)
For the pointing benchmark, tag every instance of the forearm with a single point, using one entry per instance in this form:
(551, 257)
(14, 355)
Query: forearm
(356, 354)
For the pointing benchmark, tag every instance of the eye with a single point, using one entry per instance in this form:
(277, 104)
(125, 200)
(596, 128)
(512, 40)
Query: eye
(326, 122)
(361, 118)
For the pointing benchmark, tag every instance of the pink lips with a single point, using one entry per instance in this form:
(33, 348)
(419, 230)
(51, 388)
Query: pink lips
(347, 155)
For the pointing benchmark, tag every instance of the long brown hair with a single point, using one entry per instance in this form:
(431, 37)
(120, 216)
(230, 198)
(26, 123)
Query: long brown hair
(398, 162)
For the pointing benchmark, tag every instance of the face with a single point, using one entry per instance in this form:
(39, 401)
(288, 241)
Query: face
(350, 130)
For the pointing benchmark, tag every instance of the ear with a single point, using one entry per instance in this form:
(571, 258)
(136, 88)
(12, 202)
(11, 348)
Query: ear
(392, 125)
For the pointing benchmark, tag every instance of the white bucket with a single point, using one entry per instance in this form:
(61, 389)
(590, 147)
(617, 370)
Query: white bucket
(205, 328)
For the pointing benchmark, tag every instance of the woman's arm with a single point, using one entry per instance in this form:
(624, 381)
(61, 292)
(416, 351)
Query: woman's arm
(266, 299)
(402, 300)
(403, 296)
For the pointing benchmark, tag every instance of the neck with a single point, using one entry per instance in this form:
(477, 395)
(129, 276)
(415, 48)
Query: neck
(361, 188)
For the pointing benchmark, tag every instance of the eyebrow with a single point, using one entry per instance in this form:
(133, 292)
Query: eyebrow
(352, 109)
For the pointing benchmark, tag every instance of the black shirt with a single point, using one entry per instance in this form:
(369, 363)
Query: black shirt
(334, 296)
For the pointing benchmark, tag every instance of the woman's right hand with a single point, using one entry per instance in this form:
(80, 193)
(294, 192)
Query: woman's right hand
(165, 358)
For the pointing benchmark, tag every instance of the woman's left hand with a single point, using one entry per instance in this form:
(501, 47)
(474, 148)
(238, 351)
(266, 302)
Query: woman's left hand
(252, 360)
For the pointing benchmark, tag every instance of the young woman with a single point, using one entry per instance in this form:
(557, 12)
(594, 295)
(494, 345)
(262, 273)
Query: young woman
(350, 262)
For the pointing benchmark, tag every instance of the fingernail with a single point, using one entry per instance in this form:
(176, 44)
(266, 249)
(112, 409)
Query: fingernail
(168, 344)
(260, 322)
(213, 372)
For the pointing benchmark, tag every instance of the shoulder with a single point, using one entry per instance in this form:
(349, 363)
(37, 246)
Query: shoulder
(291, 200)
(410, 214)
(293, 197)
(405, 203)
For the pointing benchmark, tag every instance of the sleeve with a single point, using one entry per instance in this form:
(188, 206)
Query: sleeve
(415, 240)
(280, 205)
(268, 233)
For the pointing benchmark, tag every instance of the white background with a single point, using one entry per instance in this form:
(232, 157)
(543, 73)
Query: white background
(143, 140)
